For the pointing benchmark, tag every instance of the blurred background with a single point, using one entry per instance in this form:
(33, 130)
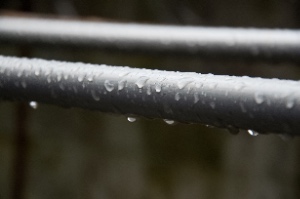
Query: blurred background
(53, 152)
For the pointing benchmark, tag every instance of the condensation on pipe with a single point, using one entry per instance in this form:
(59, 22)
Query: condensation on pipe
(262, 105)
(203, 42)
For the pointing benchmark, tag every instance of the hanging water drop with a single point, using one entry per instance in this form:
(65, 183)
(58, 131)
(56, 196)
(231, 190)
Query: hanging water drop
(170, 122)
(157, 88)
(252, 132)
(33, 104)
(131, 119)
(259, 98)
(290, 103)
(109, 86)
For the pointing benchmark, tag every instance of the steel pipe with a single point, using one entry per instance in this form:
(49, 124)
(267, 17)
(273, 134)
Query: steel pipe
(204, 42)
(263, 105)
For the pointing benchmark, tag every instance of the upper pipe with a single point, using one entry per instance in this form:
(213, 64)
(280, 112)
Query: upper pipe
(204, 42)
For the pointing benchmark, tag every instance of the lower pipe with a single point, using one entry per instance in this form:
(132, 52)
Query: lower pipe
(262, 105)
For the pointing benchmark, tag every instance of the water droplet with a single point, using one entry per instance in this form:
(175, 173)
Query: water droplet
(184, 82)
(212, 104)
(2, 70)
(33, 104)
(80, 78)
(252, 132)
(290, 103)
(8, 72)
(123, 74)
(109, 86)
(95, 96)
(177, 96)
(149, 90)
(169, 121)
(259, 98)
(212, 85)
(239, 86)
(66, 76)
(59, 76)
(121, 84)
(141, 82)
(196, 98)
(131, 119)
(23, 83)
(90, 78)
(19, 74)
(47, 72)
(49, 79)
(157, 88)
(37, 72)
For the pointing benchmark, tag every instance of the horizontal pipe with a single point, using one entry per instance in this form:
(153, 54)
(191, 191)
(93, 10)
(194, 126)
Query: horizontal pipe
(204, 42)
(263, 105)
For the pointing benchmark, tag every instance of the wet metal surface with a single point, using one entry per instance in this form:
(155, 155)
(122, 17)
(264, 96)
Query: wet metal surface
(255, 104)
(206, 42)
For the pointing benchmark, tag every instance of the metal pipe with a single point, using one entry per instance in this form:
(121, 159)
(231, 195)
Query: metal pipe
(263, 105)
(204, 42)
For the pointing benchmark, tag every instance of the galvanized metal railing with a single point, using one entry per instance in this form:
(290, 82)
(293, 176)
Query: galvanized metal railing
(204, 42)
(254, 104)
